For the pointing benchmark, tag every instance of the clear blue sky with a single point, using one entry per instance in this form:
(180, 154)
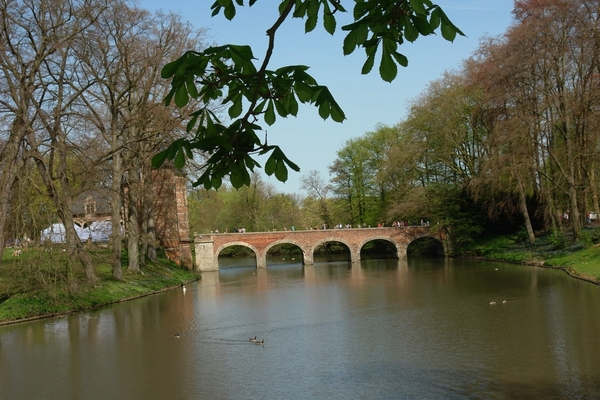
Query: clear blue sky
(367, 100)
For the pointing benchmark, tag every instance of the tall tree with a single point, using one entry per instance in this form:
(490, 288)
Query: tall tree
(123, 54)
(316, 188)
(40, 79)
(352, 179)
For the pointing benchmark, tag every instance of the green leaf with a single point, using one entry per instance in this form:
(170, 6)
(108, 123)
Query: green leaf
(324, 110)
(291, 164)
(270, 114)
(169, 97)
(236, 108)
(368, 65)
(387, 68)
(337, 114)
(170, 69)
(400, 59)
(434, 20)
(355, 37)
(281, 109)
(181, 97)
(270, 165)
(448, 32)
(311, 23)
(410, 31)
(191, 87)
(173, 148)
(204, 179)
(299, 9)
(180, 159)
(216, 181)
(190, 125)
(329, 22)
(281, 172)
(291, 105)
(422, 25)
(417, 5)
(159, 158)
(188, 153)
(229, 11)
(312, 13)
(236, 179)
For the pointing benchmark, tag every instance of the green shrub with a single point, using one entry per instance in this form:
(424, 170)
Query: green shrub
(557, 239)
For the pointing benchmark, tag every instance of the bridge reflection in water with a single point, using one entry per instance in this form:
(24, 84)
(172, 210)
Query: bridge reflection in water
(208, 247)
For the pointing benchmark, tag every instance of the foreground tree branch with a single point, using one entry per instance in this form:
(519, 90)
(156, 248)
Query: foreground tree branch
(227, 74)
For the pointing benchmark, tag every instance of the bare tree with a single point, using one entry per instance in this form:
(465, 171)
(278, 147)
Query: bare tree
(123, 54)
(315, 187)
(36, 42)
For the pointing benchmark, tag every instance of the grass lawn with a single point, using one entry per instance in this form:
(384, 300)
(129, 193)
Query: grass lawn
(586, 262)
(581, 259)
(40, 282)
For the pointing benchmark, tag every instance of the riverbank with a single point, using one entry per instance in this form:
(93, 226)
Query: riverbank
(579, 259)
(37, 283)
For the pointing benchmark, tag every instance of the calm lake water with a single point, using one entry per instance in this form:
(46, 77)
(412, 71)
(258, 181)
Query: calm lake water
(382, 329)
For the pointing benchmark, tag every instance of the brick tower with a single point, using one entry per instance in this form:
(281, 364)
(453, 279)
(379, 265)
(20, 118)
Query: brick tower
(171, 214)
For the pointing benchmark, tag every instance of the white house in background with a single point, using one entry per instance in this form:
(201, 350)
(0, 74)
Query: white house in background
(92, 217)
(97, 232)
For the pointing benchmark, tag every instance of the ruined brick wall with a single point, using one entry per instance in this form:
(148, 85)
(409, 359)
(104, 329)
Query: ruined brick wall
(171, 215)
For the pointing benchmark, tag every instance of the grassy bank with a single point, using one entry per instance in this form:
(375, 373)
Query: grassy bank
(580, 259)
(39, 283)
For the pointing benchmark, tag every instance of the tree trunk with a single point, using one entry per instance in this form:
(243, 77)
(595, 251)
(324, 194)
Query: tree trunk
(594, 189)
(10, 168)
(62, 199)
(115, 204)
(133, 234)
(523, 204)
(149, 247)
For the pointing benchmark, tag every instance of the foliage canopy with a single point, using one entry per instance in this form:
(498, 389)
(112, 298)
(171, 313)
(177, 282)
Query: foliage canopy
(228, 74)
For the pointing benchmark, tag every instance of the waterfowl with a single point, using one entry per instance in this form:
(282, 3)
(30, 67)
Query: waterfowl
(503, 301)
(492, 302)
(184, 290)
(253, 339)
(260, 341)
(177, 335)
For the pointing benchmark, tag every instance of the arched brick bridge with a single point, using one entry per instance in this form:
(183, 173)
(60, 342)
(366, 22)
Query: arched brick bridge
(208, 247)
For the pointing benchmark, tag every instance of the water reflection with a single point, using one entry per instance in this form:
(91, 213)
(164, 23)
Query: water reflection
(417, 328)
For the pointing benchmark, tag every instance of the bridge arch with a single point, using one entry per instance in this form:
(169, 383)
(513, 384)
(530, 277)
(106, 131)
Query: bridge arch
(400, 248)
(288, 241)
(441, 246)
(351, 248)
(237, 243)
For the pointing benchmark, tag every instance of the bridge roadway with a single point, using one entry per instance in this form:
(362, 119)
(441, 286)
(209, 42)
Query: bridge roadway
(209, 246)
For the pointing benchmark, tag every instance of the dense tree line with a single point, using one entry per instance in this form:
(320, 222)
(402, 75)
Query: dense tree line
(509, 140)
